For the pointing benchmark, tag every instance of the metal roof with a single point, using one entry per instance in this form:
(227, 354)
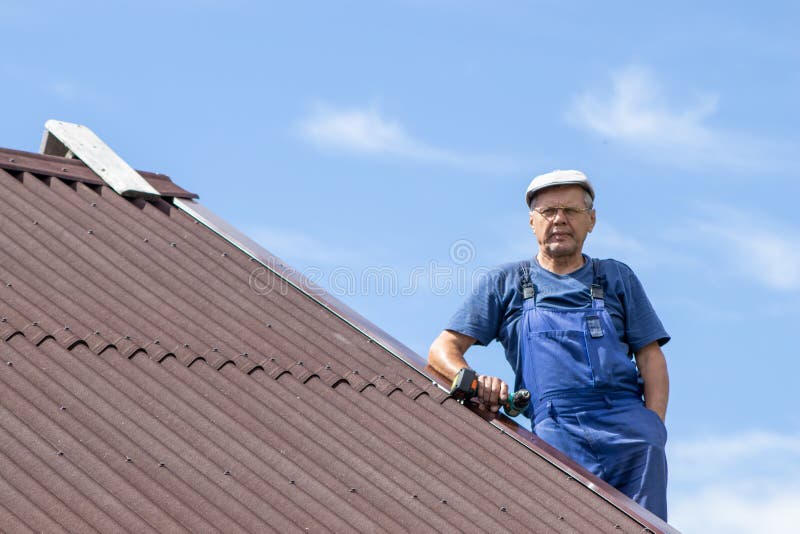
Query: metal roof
(160, 372)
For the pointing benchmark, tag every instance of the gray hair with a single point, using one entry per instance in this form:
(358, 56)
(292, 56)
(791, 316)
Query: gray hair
(587, 199)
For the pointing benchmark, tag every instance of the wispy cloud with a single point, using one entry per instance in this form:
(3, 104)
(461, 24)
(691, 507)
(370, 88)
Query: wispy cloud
(302, 249)
(636, 112)
(737, 483)
(367, 131)
(65, 90)
(612, 242)
(767, 253)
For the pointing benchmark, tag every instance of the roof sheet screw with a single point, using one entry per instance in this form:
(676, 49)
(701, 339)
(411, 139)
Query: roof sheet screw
(146, 240)
(128, 459)
(352, 490)
(269, 325)
(381, 376)
(10, 364)
(355, 371)
(3, 320)
(97, 332)
(34, 323)
(327, 365)
(162, 464)
(12, 160)
(414, 496)
(299, 362)
(128, 337)
(64, 169)
(62, 408)
(185, 345)
(173, 244)
(561, 518)
(60, 453)
(618, 527)
(227, 472)
(272, 358)
(409, 380)
(156, 342)
(8, 284)
(66, 328)
(90, 232)
(35, 223)
(443, 501)
(245, 355)
(224, 254)
(214, 349)
(291, 482)
(503, 509)
(93, 204)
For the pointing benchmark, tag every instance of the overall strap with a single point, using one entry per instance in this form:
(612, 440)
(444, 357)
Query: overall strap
(528, 291)
(598, 283)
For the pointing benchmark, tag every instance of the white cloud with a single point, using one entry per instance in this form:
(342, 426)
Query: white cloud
(711, 456)
(367, 131)
(767, 253)
(637, 113)
(726, 509)
(739, 483)
(611, 242)
(65, 90)
(298, 248)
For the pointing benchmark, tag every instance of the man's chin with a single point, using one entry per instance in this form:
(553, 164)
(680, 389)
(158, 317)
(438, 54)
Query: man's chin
(560, 250)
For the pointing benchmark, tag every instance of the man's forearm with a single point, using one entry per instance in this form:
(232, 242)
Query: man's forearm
(446, 354)
(653, 367)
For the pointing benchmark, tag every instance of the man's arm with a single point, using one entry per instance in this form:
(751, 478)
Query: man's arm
(653, 367)
(446, 356)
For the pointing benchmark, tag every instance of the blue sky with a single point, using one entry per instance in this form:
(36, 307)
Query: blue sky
(383, 149)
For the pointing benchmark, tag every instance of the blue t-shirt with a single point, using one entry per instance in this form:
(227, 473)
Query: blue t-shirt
(494, 308)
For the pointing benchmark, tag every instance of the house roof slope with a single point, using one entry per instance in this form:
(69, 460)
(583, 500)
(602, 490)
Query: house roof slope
(157, 378)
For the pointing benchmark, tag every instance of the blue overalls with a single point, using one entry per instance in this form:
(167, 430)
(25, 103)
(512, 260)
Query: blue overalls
(587, 397)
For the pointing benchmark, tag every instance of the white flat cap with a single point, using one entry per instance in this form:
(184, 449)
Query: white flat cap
(557, 178)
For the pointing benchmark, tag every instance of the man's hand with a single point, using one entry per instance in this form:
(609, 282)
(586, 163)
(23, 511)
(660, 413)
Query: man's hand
(492, 392)
(446, 356)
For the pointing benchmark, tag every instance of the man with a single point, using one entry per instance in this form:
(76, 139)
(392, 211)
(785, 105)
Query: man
(582, 336)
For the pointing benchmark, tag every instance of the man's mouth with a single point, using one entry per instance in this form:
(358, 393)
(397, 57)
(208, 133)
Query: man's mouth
(559, 236)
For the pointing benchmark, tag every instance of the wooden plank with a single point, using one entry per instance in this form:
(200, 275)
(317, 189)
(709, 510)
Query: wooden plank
(86, 146)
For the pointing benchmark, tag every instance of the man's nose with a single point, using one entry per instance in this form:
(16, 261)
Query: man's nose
(561, 215)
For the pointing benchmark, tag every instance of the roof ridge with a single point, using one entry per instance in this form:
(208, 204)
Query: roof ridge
(71, 169)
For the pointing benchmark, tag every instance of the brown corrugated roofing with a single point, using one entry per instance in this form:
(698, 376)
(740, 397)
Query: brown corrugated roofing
(157, 377)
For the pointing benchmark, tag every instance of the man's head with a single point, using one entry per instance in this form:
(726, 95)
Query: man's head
(561, 213)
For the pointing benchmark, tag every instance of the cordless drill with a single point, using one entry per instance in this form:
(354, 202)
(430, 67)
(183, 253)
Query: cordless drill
(465, 386)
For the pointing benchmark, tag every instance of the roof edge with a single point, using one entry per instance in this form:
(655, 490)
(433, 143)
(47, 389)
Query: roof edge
(406, 355)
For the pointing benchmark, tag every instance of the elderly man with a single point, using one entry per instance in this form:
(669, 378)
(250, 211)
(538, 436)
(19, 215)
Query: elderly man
(582, 336)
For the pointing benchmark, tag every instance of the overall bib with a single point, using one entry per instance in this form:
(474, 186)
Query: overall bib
(587, 397)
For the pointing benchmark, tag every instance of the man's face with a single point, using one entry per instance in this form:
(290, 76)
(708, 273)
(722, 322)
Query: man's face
(563, 236)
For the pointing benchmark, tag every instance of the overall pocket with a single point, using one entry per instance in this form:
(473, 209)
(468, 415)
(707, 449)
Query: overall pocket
(558, 360)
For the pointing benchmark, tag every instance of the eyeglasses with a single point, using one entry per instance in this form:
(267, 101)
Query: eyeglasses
(551, 212)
